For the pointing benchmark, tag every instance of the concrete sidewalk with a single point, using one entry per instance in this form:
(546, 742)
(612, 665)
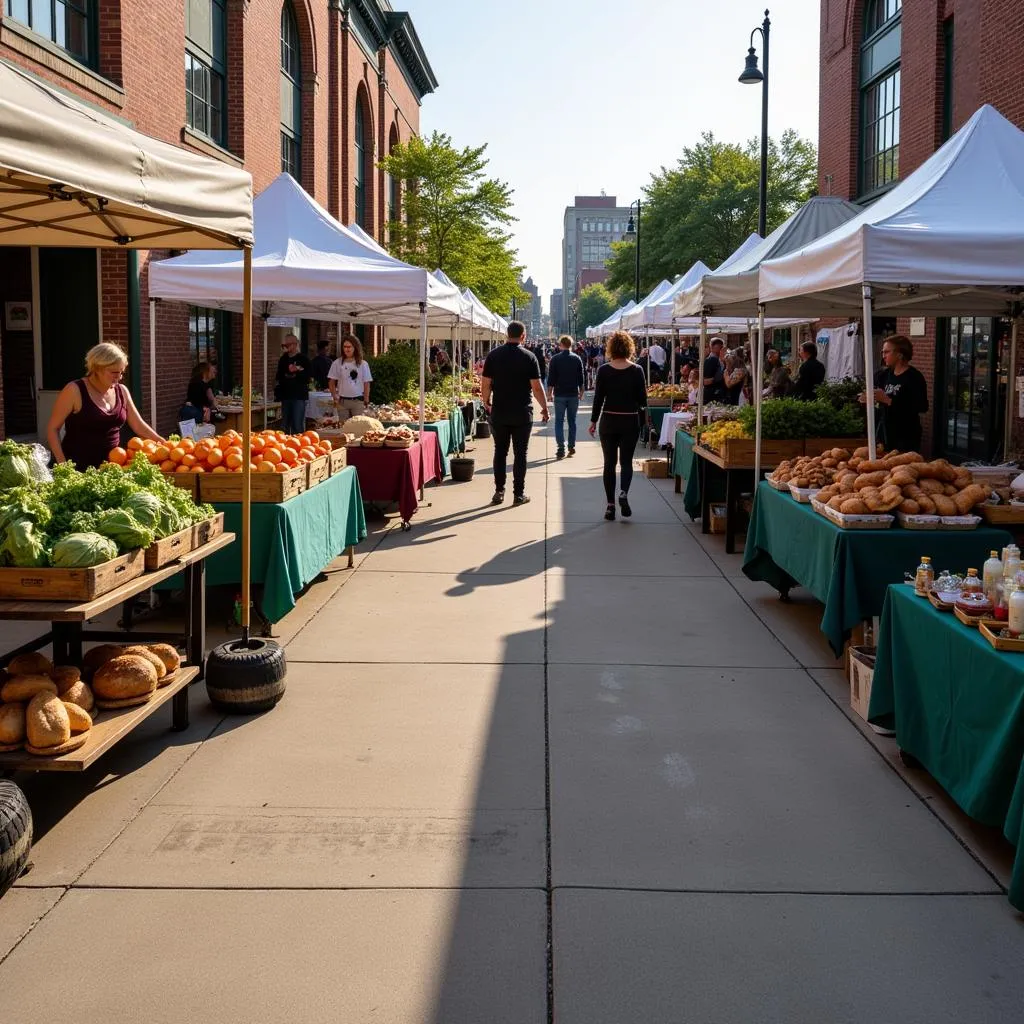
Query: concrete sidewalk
(530, 766)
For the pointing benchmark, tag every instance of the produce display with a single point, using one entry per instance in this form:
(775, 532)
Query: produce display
(672, 392)
(812, 471)
(712, 437)
(789, 419)
(400, 437)
(357, 426)
(901, 482)
(78, 520)
(270, 451)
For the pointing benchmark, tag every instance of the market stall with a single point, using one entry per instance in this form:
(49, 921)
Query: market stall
(788, 543)
(957, 706)
(397, 475)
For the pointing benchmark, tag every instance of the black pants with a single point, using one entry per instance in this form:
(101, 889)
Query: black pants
(519, 436)
(619, 435)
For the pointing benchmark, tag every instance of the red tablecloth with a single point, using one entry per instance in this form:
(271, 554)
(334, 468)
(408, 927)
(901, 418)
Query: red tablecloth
(395, 474)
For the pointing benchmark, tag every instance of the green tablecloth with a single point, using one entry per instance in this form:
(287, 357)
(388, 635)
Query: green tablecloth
(657, 415)
(443, 429)
(682, 454)
(692, 494)
(957, 705)
(847, 570)
(291, 542)
(458, 424)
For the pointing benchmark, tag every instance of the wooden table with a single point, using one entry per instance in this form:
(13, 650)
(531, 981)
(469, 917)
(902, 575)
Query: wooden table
(706, 459)
(67, 635)
(233, 417)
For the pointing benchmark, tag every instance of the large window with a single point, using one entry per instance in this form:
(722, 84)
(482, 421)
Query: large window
(360, 162)
(206, 68)
(291, 94)
(71, 24)
(880, 96)
(210, 342)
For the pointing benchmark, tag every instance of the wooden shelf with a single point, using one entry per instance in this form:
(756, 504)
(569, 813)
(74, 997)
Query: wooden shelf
(109, 727)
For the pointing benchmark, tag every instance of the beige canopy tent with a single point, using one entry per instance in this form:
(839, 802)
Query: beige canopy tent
(72, 176)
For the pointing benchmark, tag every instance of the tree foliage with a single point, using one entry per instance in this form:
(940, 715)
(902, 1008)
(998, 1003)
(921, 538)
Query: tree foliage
(595, 304)
(454, 217)
(704, 207)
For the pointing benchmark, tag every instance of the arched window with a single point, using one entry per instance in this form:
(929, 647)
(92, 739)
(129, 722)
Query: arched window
(394, 185)
(880, 95)
(291, 93)
(362, 161)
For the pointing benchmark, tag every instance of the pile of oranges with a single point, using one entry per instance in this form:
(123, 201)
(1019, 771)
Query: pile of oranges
(270, 451)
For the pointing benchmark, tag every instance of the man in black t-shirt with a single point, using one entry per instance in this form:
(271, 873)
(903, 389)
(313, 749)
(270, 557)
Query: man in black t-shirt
(511, 379)
(714, 373)
(321, 364)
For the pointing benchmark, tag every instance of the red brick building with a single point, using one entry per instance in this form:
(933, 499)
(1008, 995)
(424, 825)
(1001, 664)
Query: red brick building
(320, 88)
(897, 79)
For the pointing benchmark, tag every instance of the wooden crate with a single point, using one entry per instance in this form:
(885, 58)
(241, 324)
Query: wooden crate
(318, 471)
(169, 549)
(817, 445)
(862, 673)
(337, 460)
(187, 481)
(270, 488)
(204, 532)
(71, 584)
(999, 515)
(739, 451)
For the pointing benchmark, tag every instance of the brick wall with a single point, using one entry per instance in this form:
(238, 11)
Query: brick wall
(140, 57)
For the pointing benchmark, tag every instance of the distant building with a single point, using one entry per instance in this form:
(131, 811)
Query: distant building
(590, 226)
(557, 312)
(529, 313)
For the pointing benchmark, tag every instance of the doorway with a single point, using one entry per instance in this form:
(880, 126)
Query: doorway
(16, 330)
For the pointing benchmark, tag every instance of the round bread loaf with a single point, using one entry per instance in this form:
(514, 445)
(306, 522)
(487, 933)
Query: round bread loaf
(80, 719)
(65, 676)
(80, 694)
(32, 664)
(127, 675)
(12, 724)
(167, 654)
(22, 688)
(47, 723)
(97, 656)
(144, 652)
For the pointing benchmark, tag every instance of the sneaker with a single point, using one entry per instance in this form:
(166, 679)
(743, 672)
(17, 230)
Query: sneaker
(609, 512)
(560, 454)
(572, 452)
(624, 506)
(520, 499)
(499, 498)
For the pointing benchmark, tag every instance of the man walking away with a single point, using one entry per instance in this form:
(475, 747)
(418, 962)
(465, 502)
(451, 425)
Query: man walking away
(565, 388)
(293, 385)
(511, 375)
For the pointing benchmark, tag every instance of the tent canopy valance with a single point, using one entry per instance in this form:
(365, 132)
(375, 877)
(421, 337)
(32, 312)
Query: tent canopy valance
(658, 311)
(71, 176)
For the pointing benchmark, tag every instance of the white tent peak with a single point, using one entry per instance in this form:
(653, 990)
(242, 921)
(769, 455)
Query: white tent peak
(742, 249)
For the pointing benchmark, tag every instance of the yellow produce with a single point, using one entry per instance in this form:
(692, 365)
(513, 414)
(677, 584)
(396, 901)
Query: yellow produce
(714, 436)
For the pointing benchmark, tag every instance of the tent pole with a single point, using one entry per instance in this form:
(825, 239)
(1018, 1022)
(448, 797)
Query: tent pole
(423, 382)
(152, 363)
(246, 433)
(1011, 390)
(674, 342)
(266, 382)
(700, 369)
(647, 345)
(758, 358)
(869, 372)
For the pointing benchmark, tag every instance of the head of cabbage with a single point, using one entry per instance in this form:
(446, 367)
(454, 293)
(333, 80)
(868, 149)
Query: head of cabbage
(24, 545)
(82, 550)
(145, 507)
(123, 529)
(14, 471)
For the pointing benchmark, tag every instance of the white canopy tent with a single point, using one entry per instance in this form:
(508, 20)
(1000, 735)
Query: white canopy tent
(611, 323)
(306, 264)
(69, 176)
(948, 240)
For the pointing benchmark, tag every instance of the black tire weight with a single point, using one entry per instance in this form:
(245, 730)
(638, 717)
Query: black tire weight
(245, 678)
(15, 834)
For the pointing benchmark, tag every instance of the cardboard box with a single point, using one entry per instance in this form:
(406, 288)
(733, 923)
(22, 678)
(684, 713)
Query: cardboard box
(862, 672)
(656, 469)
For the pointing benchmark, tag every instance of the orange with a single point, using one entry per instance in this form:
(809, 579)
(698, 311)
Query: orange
(197, 468)
(161, 453)
(183, 469)
(215, 457)
(265, 467)
(272, 455)
(309, 453)
(233, 460)
(168, 466)
(188, 460)
(257, 444)
(176, 454)
(188, 444)
(118, 456)
(135, 444)
(289, 456)
(282, 467)
(201, 450)
(219, 469)
(312, 435)
(326, 444)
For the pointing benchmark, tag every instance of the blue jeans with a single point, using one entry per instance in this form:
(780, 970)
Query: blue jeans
(562, 407)
(293, 413)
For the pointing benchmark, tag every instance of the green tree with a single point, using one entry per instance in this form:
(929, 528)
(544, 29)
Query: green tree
(704, 207)
(454, 217)
(595, 304)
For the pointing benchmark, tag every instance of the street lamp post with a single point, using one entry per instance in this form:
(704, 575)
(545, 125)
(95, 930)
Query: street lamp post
(751, 76)
(634, 232)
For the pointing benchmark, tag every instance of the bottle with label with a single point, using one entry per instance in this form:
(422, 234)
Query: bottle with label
(925, 577)
(1015, 614)
(991, 575)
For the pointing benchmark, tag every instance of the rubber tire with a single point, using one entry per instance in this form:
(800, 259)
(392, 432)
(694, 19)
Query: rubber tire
(15, 834)
(245, 679)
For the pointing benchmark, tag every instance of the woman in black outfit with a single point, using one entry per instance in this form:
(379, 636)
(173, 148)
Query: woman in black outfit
(620, 398)
(200, 405)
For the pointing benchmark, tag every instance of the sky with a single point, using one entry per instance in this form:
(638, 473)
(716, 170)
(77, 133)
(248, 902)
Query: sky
(576, 96)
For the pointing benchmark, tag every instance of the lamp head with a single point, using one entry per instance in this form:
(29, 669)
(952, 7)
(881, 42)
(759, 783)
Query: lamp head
(751, 73)
(630, 227)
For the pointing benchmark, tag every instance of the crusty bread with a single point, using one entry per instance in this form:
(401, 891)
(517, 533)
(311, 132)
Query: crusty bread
(65, 676)
(167, 654)
(80, 694)
(127, 675)
(47, 723)
(97, 656)
(12, 724)
(31, 664)
(80, 720)
(22, 688)
(144, 652)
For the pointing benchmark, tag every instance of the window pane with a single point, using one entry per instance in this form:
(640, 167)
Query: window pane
(18, 9)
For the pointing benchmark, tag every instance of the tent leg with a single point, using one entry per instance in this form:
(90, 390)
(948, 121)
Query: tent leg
(246, 435)
(266, 381)
(423, 384)
(700, 361)
(758, 358)
(1011, 390)
(869, 369)
(152, 364)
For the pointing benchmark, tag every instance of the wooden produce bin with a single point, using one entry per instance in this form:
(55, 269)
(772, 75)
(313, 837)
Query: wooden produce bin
(739, 451)
(169, 549)
(337, 460)
(71, 584)
(187, 481)
(204, 532)
(265, 487)
(317, 471)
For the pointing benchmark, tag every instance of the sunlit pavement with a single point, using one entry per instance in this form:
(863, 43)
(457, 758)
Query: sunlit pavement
(531, 765)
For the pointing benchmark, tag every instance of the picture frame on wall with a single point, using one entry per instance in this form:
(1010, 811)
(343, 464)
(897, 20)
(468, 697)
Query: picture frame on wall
(17, 316)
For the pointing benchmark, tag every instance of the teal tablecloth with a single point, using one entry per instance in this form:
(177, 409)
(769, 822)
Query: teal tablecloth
(458, 433)
(716, 484)
(291, 542)
(657, 415)
(847, 570)
(682, 454)
(443, 429)
(957, 705)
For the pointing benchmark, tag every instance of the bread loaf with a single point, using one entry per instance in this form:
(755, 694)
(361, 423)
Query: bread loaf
(167, 654)
(65, 676)
(22, 688)
(144, 652)
(32, 664)
(47, 723)
(80, 720)
(125, 676)
(80, 694)
(12, 724)
(97, 656)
